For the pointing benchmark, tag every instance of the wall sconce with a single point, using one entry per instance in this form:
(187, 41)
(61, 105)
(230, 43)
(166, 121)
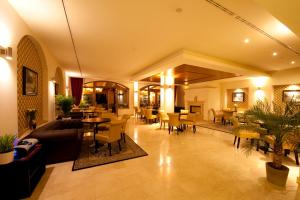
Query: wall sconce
(6, 52)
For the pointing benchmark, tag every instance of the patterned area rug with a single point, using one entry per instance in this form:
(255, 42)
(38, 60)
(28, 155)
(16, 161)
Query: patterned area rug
(216, 126)
(88, 158)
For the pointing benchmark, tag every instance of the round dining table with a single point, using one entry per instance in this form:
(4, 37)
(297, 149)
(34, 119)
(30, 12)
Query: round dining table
(94, 122)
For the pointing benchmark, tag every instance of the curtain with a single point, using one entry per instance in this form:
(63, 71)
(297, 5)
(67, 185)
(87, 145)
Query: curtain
(76, 87)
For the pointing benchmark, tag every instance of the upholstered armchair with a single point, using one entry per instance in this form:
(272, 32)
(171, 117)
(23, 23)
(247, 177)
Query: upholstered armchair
(163, 118)
(239, 133)
(149, 116)
(113, 134)
(174, 121)
(218, 116)
(125, 119)
(190, 120)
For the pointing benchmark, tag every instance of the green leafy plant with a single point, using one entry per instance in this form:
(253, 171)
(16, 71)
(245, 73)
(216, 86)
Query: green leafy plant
(65, 103)
(281, 122)
(83, 104)
(7, 143)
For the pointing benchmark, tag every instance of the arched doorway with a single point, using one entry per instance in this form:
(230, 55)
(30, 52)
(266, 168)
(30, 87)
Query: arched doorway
(150, 96)
(30, 57)
(107, 94)
(59, 82)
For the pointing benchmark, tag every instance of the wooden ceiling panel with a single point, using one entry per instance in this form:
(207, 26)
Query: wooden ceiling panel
(193, 74)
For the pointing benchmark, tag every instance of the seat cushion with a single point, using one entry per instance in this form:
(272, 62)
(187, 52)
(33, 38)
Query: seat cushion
(248, 134)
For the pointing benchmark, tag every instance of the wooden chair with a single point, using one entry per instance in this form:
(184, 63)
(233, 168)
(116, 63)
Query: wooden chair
(163, 118)
(243, 133)
(112, 135)
(149, 116)
(174, 121)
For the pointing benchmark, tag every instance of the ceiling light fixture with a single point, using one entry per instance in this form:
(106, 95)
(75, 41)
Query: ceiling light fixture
(246, 41)
(179, 10)
(292, 62)
(6, 52)
(274, 54)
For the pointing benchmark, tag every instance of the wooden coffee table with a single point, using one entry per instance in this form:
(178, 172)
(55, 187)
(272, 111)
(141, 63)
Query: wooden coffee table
(94, 122)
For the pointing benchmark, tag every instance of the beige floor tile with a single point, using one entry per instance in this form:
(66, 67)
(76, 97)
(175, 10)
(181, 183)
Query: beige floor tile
(204, 165)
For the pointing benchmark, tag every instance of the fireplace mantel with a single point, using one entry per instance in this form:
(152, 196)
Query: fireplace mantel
(196, 103)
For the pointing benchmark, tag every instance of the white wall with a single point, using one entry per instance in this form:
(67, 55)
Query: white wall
(12, 29)
(210, 96)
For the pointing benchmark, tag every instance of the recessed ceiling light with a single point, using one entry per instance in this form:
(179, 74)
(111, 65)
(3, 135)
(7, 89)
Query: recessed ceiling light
(246, 40)
(292, 62)
(179, 10)
(274, 53)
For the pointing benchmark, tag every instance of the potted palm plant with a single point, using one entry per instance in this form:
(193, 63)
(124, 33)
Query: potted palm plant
(6, 149)
(65, 103)
(282, 123)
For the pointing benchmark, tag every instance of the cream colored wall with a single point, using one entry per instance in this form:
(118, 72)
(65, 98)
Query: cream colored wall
(286, 77)
(12, 29)
(210, 97)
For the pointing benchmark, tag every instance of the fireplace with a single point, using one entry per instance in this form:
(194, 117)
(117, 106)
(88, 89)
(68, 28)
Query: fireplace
(195, 109)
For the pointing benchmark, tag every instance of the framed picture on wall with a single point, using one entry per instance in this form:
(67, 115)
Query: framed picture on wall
(288, 95)
(30, 82)
(238, 96)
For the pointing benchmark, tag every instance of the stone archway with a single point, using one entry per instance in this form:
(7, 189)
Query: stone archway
(30, 55)
(59, 81)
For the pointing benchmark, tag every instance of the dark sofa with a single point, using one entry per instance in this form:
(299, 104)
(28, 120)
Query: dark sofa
(61, 139)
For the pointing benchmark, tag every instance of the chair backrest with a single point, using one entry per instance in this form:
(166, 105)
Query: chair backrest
(162, 114)
(115, 130)
(125, 119)
(174, 119)
(191, 117)
(235, 122)
(148, 113)
(108, 115)
(126, 116)
(213, 111)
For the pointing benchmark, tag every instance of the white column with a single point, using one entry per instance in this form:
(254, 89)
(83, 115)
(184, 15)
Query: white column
(136, 93)
(162, 91)
(167, 91)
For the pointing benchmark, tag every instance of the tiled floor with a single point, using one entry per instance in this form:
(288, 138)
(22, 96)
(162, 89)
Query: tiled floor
(189, 166)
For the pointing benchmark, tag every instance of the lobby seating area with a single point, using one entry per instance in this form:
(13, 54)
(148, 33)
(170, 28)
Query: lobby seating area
(149, 100)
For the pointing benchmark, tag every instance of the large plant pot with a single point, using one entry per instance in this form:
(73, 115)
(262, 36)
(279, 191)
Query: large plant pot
(277, 176)
(6, 158)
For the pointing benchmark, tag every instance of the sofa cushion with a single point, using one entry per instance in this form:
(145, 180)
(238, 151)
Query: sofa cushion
(57, 135)
(69, 124)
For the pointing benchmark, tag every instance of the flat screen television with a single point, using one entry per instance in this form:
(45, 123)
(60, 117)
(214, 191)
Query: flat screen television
(101, 99)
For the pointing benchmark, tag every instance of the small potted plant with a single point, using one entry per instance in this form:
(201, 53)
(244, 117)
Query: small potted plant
(65, 103)
(282, 124)
(6, 149)
(31, 116)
